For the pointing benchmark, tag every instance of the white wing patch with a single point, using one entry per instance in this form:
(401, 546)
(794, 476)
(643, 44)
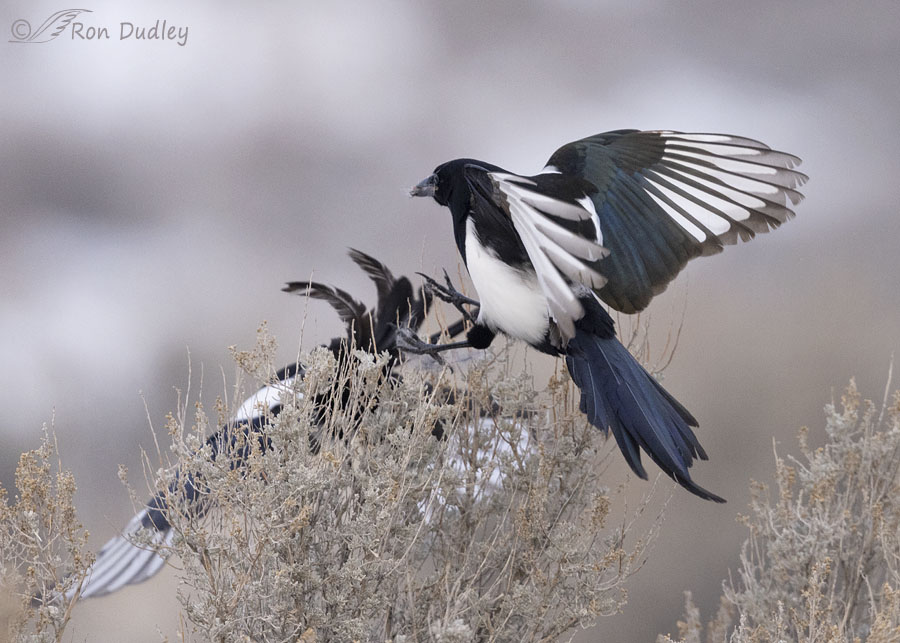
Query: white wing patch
(716, 185)
(264, 400)
(559, 256)
(588, 204)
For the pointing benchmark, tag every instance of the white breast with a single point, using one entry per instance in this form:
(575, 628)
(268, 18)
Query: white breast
(511, 300)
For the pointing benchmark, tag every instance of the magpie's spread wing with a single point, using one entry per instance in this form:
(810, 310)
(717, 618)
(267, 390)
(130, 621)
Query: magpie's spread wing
(397, 304)
(122, 562)
(558, 229)
(663, 198)
(351, 311)
(377, 271)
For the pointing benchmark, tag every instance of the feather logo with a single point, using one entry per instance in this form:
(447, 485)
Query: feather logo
(50, 29)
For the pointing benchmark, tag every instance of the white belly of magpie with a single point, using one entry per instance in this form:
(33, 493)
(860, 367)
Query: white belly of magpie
(511, 300)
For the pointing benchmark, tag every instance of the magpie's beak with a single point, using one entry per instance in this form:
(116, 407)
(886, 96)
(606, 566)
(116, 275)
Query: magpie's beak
(426, 187)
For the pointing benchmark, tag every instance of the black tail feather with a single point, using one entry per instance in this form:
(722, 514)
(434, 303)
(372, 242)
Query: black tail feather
(617, 394)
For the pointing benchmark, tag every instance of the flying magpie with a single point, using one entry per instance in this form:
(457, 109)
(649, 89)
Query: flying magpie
(121, 562)
(611, 218)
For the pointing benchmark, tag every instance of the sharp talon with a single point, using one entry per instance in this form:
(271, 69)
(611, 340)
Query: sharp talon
(408, 342)
(450, 295)
(447, 280)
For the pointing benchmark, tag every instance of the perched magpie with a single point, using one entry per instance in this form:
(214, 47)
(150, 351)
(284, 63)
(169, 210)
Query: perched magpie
(614, 218)
(121, 562)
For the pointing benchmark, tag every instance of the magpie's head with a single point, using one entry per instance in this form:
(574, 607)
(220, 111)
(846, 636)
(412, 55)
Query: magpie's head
(449, 180)
(438, 185)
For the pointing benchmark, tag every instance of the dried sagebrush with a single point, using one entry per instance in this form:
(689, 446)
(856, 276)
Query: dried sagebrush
(440, 506)
(497, 531)
(43, 548)
(822, 561)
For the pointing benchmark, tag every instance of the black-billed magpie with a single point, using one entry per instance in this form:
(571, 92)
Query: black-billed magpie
(121, 562)
(614, 218)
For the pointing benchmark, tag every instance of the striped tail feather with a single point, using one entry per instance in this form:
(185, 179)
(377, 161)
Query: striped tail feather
(618, 395)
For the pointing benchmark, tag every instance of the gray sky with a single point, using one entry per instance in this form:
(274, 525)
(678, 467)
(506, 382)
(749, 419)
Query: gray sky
(156, 197)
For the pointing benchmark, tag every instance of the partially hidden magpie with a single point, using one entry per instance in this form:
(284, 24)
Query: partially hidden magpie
(611, 218)
(121, 561)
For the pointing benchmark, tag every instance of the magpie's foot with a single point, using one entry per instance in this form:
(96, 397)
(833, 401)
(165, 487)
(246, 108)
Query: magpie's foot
(451, 295)
(409, 342)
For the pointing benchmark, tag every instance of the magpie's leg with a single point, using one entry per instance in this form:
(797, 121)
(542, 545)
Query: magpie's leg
(408, 342)
(452, 331)
(451, 295)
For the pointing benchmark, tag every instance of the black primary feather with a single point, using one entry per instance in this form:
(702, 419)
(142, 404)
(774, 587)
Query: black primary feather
(377, 271)
(352, 312)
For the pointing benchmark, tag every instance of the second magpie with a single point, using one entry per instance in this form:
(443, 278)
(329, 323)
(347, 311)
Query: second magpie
(614, 218)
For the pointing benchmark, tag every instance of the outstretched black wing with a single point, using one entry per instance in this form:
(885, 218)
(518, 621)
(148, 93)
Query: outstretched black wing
(377, 271)
(663, 198)
(351, 311)
(397, 304)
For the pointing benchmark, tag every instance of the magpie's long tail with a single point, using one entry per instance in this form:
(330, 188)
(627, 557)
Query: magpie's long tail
(617, 394)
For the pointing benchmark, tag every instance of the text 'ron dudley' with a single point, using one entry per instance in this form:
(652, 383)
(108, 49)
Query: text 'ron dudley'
(129, 31)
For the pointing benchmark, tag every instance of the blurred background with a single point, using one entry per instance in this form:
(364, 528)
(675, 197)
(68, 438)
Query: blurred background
(155, 197)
